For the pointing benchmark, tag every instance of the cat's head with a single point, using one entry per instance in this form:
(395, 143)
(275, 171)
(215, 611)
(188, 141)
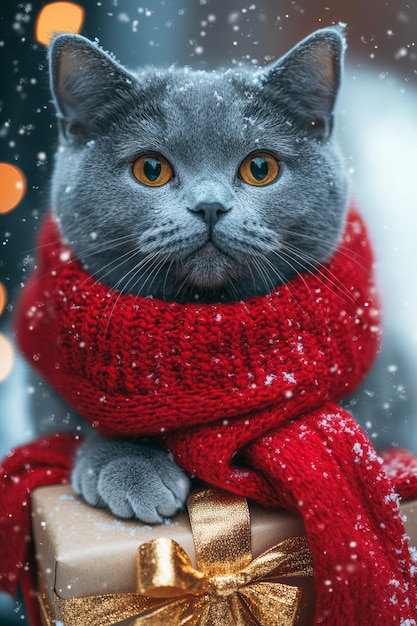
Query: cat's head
(184, 184)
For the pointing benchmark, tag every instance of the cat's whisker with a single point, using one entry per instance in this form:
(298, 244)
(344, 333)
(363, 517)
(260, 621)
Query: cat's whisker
(167, 273)
(248, 263)
(110, 243)
(136, 272)
(233, 289)
(287, 285)
(328, 277)
(122, 283)
(284, 284)
(112, 309)
(152, 273)
(116, 263)
(99, 276)
(181, 286)
(287, 258)
(342, 249)
(263, 274)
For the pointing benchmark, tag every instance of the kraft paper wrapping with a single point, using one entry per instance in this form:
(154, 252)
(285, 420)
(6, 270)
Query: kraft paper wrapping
(83, 551)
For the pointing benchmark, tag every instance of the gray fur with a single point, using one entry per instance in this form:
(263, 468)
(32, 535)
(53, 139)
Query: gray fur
(159, 242)
(152, 241)
(111, 473)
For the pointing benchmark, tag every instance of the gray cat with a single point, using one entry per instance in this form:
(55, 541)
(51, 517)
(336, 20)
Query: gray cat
(184, 185)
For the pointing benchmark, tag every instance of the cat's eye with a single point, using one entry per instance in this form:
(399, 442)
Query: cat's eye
(152, 170)
(259, 168)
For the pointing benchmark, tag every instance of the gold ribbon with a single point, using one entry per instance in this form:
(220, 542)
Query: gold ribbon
(227, 587)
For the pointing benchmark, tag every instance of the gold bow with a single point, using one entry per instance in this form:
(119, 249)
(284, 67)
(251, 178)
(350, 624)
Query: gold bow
(227, 588)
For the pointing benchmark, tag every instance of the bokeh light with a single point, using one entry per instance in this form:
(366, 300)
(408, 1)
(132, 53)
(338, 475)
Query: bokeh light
(12, 186)
(6, 357)
(58, 17)
(3, 298)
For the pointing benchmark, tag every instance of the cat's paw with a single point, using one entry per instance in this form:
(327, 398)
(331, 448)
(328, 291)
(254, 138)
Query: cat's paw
(132, 480)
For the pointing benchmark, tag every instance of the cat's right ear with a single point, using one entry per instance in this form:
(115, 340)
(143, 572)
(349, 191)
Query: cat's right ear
(87, 85)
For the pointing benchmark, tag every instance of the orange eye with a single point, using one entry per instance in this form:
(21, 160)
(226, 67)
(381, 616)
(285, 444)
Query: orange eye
(152, 170)
(259, 168)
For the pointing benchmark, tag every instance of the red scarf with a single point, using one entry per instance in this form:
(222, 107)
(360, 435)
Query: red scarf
(243, 395)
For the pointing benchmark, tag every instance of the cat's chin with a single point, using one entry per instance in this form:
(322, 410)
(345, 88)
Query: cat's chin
(209, 268)
(211, 275)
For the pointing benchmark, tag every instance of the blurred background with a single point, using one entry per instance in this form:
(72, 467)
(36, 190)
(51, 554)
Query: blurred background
(377, 126)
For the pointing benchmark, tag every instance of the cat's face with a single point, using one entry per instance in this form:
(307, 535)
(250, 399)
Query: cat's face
(184, 184)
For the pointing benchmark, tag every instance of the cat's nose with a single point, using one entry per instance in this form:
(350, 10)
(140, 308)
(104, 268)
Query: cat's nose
(210, 212)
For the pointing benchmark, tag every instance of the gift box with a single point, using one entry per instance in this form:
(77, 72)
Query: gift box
(211, 563)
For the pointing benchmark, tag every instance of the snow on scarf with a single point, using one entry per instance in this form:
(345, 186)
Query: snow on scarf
(243, 395)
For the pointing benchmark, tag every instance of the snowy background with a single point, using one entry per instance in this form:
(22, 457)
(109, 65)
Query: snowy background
(377, 126)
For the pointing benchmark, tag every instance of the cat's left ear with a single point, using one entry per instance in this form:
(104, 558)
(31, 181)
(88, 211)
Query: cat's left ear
(87, 84)
(308, 79)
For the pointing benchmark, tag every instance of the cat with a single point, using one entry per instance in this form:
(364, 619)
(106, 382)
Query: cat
(188, 185)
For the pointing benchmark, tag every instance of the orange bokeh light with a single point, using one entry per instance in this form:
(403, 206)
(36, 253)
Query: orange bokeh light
(12, 186)
(6, 357)
(3, 297)
(58, 17)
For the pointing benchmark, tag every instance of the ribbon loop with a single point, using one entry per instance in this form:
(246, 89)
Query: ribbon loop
(164, 569)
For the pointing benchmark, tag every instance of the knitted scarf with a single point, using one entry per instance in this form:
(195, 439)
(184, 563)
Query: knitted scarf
(243, 395)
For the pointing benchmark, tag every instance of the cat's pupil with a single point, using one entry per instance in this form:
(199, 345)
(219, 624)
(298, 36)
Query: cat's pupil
(152, 169)
(259, 168)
